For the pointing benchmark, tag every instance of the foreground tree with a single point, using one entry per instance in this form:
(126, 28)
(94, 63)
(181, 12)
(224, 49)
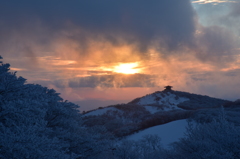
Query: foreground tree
(148, 147)
(35, 122)
(218, 139)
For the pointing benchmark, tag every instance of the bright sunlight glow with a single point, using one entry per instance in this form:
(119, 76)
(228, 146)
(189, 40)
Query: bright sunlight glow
(127, 68)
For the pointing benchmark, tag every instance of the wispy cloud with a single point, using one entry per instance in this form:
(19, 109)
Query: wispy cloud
(215, 2)
(17, 69)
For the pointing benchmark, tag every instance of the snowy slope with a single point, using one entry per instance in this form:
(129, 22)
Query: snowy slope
(161, 101)
(172, 100)
(168, 133)
(162, 98)
(152, 109)
(167, 100)
(150, 112)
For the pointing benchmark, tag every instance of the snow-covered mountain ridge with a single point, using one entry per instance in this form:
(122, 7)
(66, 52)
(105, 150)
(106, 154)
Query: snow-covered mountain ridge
(160, 98)
(166, 101)
(150, 110)
(179, 99)
(155, 102)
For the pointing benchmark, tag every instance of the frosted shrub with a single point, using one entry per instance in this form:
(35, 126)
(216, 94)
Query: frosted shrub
(217, 139)
(35, 122)
(149, 147)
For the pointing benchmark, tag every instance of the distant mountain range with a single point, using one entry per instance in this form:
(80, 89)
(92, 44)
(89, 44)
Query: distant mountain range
(154, 109)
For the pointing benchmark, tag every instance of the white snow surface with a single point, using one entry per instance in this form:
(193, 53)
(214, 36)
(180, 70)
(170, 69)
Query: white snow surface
(148, 99)
(169, 100)
(168, 133)
(100, 111)
(151, 109)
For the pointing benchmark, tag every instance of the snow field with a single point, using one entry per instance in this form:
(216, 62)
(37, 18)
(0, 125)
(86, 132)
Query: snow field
(168, 133)
(169, 100)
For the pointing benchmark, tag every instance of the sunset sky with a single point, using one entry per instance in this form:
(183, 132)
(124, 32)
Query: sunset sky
(100, 52)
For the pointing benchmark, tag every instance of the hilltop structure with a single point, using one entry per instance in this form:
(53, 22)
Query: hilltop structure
(168, 88)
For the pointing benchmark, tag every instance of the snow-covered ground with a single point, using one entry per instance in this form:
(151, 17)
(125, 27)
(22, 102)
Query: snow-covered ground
(169, 100)
(168, 133)
(151, 109)
(148, 99)
(172, 99)
(100, 111)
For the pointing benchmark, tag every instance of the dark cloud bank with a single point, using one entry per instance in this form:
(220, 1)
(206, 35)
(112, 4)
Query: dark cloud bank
(135, 21)
(109, 81)
(171, 22)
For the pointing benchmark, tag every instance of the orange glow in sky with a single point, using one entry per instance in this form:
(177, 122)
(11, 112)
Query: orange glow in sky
(127, 68)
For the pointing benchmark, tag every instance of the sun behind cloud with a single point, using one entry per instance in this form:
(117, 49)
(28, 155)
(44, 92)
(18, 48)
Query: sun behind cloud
(127, 68)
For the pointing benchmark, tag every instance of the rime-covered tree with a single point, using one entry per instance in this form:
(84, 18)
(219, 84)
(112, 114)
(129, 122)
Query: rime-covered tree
(10, 84)
(35, 122)
(218, 139)
(148, 147)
